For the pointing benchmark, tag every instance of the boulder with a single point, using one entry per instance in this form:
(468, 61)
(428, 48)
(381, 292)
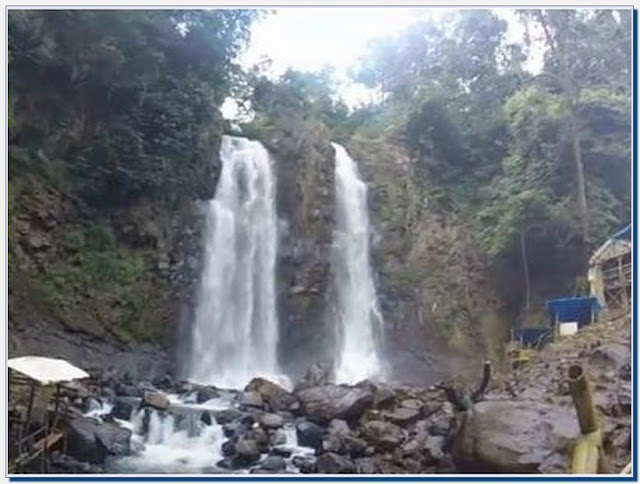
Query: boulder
(415, 444)
(383, 435)
(273, 463)
(250, 399)
(274, 395)
(333, 443)
(306, 464)
(613, 355)
(123, 407)
(515, 437)
(205, 418)
(412, 403)
(82, 443)
(157, 400)
(234, 429)
(204, 394)
(433, 449)
(247, 451)
(227, 415)
(318, 375)
(339, 427)
(228, 448)
(271, 421)
(366, 465)
(65, 464)
(355, 446)
(309, 434)
(91, 404)
(332, 463)
(403, 416)
(115, 439)
(383, 397)
(277, 437)
(260, 437)
(321, 404)
(282, 452)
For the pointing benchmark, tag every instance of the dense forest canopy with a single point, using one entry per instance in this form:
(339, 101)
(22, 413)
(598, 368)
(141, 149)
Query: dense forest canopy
(114, 105)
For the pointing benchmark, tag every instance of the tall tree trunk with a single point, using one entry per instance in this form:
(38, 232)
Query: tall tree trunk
(582, 191)
(525, 267)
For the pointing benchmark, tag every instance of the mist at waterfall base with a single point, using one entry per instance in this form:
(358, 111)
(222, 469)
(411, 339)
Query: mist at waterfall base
(235, 331)
(359, 322)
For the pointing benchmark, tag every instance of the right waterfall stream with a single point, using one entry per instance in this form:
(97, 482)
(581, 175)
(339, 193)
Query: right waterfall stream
(359, 322)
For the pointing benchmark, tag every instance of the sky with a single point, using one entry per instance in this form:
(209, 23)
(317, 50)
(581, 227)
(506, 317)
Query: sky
(310, 38)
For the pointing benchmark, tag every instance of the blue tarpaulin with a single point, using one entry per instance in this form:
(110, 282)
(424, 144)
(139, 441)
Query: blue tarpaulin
(534, 336)
(582, 310)
(625, 233)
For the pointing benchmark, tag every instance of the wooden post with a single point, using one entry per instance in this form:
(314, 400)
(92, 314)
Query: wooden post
(623, 285)
(27, 423)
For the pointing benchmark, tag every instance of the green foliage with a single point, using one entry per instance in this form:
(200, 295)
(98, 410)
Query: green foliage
(432, 134)
(124, 100)
(299, 96)
(100, 290)
(500, 143)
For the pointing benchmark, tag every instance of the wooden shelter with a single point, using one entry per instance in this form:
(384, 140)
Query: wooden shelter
(33, 437)
(610, 273)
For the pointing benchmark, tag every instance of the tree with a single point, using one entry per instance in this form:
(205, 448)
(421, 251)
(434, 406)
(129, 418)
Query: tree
(123, 102)
(584, 49)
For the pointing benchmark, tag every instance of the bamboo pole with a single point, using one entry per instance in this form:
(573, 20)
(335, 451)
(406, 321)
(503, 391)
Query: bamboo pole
(581, 394)
(588, 453)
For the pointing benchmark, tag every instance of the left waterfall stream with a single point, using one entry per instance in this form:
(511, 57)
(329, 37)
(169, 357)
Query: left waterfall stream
(234, 337)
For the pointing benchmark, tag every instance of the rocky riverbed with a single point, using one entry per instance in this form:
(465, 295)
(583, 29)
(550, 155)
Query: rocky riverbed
(524, 423)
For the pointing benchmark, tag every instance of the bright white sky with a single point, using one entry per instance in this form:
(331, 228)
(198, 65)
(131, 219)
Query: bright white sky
(310, 38)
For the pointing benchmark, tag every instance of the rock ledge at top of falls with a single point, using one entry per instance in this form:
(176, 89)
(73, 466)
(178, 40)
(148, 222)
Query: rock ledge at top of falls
(324, 403)
(516, 437)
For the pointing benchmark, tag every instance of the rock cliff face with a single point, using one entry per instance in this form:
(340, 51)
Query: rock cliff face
(106, 283)
(305, 205)
(101, 289)
(433, 285)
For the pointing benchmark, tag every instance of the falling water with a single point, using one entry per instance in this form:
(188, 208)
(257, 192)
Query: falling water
(359, 320)
(235, 333)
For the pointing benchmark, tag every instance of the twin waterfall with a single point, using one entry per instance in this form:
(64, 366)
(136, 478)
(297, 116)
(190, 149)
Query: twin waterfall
(235, 331)
(359, 320)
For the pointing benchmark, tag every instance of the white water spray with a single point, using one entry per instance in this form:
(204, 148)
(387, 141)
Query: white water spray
(359, 320)
(235, 334)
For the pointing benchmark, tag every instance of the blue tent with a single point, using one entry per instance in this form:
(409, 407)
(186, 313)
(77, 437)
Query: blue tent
(582, 310)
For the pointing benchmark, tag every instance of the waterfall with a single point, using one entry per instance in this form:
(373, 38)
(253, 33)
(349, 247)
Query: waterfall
(359, 319)
(235, 332)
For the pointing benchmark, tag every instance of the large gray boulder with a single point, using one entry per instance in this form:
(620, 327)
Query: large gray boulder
(332, 463)
(157, 400)
(383, 435)
(515, 437)
(274, 395)
(89, 440)
(324, 403)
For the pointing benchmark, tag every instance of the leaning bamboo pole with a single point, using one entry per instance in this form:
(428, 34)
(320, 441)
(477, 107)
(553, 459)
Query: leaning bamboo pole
(588, 453)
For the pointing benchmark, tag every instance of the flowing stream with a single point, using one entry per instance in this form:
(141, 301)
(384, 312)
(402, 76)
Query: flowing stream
(235, 333)
(359, 319)
(181, 441)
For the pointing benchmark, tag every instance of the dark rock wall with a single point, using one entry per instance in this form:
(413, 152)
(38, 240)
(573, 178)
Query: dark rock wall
(304, 162)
